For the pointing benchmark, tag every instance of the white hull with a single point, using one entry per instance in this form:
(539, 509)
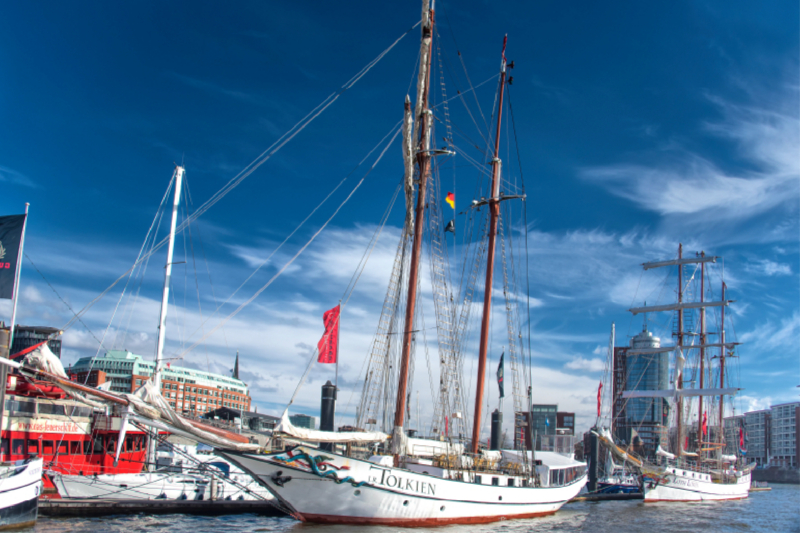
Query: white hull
(678, 485)
(157, 485)
(344, 490)
(20, 486)
(148, 486)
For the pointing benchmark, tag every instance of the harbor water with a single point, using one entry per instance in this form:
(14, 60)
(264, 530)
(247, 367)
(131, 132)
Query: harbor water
(775, 511)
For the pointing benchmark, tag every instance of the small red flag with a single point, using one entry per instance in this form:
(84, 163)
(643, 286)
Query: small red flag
(328, 345)
(741, 438)
(705, 424)
(446, 427)
(451, 200)
(599, 393)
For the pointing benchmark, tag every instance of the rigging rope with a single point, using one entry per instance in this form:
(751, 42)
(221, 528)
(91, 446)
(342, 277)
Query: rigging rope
(250, 168)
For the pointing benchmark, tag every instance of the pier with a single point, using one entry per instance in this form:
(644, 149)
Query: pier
(106, 507)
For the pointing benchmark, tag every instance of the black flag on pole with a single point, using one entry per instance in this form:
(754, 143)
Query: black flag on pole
(500, 376)
(10, 235)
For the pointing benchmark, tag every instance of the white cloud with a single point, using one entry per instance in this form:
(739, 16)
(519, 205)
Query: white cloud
(678, 182)
(591, 365)
(765, 267)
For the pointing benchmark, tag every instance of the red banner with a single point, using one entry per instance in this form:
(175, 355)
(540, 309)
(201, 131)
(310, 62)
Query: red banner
(328, 345)
(599, 394)
(704, 426)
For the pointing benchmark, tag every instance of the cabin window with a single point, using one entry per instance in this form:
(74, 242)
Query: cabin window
(111, 444)
(4, 448)
(19, 407)
(129, 443)
(75, 448)
(18, 447)
(524, 482)
(33, 447)
(510, 482)
(63, 448)
(97, 445)
(87, 447)
(478, 480)
(51, 409)
(495, 481)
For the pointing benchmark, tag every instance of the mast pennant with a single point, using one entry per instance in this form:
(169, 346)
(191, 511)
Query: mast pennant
(10, 236)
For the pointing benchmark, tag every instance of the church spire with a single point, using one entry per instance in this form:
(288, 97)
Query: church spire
(236, 366)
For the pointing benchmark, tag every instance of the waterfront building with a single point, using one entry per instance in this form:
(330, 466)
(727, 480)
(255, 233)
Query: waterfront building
(553, 431)
(187, 390)
(784, 436)
(565, 423)
(27, 336)
(618, 384)
(757, 432)
(648, 417)
(254, 421)
(303, 421)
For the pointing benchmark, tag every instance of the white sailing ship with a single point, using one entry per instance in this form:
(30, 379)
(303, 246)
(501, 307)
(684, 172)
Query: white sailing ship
(411, 487)
(698, 469)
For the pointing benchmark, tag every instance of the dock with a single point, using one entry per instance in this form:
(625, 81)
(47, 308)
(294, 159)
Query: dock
(607, 497)
(105, 507)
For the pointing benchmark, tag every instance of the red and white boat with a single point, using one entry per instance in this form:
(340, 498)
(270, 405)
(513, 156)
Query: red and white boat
(70, 438)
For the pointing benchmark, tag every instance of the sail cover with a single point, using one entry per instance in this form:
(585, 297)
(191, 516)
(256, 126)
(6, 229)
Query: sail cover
(287, 428)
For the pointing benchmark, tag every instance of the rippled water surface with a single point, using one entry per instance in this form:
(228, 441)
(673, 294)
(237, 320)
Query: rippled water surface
(774, 511)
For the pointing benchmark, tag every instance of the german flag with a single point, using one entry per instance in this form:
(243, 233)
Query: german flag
(451, 200)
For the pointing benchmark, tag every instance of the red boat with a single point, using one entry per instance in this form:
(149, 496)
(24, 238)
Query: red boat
(71, 438)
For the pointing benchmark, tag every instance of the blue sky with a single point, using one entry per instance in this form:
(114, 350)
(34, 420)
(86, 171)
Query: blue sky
(639, 126)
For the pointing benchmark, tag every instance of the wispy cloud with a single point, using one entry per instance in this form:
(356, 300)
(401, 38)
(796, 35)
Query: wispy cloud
(590, 365)
(678, 181)
(765, 267)
(9, 175)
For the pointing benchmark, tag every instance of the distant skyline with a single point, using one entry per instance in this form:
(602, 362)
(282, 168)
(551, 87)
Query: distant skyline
(640, 127)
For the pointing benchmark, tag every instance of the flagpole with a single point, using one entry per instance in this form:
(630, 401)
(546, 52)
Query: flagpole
(16, 283)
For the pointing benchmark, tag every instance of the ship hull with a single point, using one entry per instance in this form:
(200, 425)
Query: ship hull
(341, 490)
(678, 485)
(20, 487)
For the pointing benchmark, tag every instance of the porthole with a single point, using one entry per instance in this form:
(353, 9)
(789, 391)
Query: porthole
(500, 498)
(357, 492)
(441, 508)
(405, 503)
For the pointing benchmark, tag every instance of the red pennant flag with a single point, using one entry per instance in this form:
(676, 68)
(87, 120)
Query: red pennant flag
(705, 424)
(328, 345)
(446, 427)
(741, 438)
(451, 200)
(599, 393)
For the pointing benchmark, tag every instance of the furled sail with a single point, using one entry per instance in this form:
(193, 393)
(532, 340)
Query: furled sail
(313, 435)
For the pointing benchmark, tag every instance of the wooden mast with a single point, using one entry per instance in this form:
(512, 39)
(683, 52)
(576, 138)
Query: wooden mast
(702, 359)
(679, 377)
(494, 213)
(423, 117)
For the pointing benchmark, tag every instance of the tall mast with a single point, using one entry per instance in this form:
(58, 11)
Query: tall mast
(722, 365)
(702, 357)
(162, 323)
(423, 118)
(678, 366)
(494, 213)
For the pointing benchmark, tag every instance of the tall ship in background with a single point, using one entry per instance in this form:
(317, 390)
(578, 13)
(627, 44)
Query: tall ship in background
(663, 427)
